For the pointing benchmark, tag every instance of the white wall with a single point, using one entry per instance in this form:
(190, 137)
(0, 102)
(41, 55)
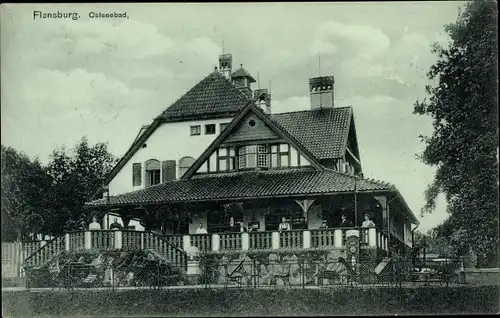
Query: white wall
(170, 141)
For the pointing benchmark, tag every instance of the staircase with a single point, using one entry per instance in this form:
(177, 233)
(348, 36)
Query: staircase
(46, 253)
(106, 240)
(159, 246)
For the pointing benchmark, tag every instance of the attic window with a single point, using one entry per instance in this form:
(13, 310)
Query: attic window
(253, 156)
(223, 126)
(251, 123)
(210, 129)
(195, 130)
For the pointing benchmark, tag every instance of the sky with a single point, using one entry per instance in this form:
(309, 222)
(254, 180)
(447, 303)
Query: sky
(104, 78)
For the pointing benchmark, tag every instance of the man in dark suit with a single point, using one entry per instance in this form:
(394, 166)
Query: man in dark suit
(344, 222)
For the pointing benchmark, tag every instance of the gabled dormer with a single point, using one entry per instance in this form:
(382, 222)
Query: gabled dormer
(253, 141)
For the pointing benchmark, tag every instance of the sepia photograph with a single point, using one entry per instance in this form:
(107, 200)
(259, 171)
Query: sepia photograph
(249, 159)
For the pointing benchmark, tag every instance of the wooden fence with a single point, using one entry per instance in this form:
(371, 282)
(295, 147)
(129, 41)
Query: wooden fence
(14, 254)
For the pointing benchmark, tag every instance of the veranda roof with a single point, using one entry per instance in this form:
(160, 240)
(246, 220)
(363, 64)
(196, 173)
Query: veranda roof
(246, 185)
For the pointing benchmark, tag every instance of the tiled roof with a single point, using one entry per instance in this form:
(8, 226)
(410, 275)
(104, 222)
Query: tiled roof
(322, 132)
(250, 184)
(211, 96)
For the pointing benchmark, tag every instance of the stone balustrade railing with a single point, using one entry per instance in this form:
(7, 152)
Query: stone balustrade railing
(294, 239)
(173, 246)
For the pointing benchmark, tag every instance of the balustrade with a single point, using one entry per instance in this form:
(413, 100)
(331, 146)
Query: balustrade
(163, 248)
(31, 246)
(46, 252)
(136, 240)
(102, 239)
(202, 241)
(230, 241)
(291, 239)
(260, 240)
(76, 240)
(322, 238)
(131, 240)
(175, 240)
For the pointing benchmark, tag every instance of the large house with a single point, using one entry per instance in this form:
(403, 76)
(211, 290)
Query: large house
(218, 174)
(219, 157)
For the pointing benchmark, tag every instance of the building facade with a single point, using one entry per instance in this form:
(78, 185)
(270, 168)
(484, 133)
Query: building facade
(218, 158)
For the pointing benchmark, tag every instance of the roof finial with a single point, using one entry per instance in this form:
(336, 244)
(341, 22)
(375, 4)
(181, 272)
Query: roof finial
(223, 44)
(241, 65)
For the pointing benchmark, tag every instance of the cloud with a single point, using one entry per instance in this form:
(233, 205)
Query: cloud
(362, 40)
(290, 104)
(62, 106)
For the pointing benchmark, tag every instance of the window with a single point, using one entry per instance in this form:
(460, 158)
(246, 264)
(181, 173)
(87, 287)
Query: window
(274, 156)
(253, 156)
(222, 161)
(284, 155)
(247, 157)
(195, 130)
(152, 172)
(232, 159)
(184, 164)
(210, 129)
(262, 156)
(223, 126)
(280, 155)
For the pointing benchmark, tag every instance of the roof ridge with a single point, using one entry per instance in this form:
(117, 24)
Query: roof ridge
(310, 110)
(214, 75)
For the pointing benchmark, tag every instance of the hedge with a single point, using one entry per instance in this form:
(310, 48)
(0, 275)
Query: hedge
(254, 302)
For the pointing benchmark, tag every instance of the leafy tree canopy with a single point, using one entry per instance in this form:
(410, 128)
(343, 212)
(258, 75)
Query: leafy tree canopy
(464, 144)
(43, 199)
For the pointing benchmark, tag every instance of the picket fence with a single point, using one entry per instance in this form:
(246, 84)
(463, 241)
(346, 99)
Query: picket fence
(13, 255)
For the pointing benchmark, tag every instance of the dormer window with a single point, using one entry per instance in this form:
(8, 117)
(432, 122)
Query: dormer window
(225, 159)
(284, 155)
(280, 155)
(262, 156)
(253, 156)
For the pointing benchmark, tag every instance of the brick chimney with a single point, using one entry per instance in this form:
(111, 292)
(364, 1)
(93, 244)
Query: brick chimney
(321, 90)
(262, 99)
(226, 65)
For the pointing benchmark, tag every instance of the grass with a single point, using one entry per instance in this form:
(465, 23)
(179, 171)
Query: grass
(254, 302)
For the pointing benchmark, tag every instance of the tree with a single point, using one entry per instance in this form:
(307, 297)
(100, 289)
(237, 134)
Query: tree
(24, 200)
(75, 178)
(464, 144)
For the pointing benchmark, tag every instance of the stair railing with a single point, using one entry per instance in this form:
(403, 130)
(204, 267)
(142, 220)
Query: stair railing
(45, 253)
(167, 250)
